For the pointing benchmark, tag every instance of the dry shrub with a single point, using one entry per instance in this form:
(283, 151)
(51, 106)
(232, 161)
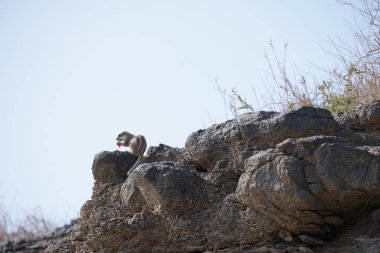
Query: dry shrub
(355, 82)
(234, 103)
(29, 227)
(286, 90)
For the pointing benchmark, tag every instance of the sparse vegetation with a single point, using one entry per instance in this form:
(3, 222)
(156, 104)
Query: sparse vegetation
(29, 227)
(233, 102)
(355, 82)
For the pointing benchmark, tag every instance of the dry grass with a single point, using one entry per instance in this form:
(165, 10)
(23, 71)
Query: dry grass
(29, 227)
(355, 82)
(233, 102)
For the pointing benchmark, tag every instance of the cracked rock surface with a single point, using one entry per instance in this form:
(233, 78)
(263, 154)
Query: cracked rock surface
(300, 181)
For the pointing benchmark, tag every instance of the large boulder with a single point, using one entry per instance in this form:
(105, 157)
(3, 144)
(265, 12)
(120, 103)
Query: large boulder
(222, 149)
(164, 188)
(256, 131)
(112, 167)
(305, 183)
(349, 176)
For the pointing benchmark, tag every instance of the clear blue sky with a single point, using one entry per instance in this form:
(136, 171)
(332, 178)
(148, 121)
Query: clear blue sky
(73, 74)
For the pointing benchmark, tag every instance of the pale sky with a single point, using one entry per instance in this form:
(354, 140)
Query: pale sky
(76, 73)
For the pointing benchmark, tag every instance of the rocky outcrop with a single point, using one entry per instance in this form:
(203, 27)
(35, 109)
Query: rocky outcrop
(311, 184)
(299, 181)
(41, 242)
(222, 149)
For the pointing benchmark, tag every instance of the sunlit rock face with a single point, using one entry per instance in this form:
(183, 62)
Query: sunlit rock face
(262, 182)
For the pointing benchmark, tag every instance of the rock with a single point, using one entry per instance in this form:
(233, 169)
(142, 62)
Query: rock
(335, 221)
(206, 147)
(307, 177)
(309, 240)
(168, 205)
(303, 148)
(348, 174)
(249, 181)
(280, 181)
(262, 249)
(195, 249)
(112, 167)
(279, 189)
(260, 130)
(364, 118)
(232, 222)
(162, 153)
(222, 149)
(164, 187)
(305, 249)
(291, 249)
(285, 235)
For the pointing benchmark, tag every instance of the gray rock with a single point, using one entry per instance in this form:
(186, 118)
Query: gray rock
(309, 240)
(308, 178)
(305, 249)
(348, 174)
(262, 249)
(112, 167)
(280, 190)
(164, 187)
(242, 182)
(280, 182)
(285, 235)
(221, 150)
(303, 148)
(260, 130)
(335, 221)
(162, 153)
(365, 118)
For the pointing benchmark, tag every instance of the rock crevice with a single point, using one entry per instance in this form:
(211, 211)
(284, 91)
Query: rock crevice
(300, 181)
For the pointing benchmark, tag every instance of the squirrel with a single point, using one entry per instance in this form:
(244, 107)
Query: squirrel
(136, 143)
